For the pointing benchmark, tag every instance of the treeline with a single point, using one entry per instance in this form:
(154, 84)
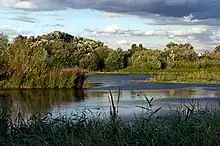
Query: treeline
(62, 50)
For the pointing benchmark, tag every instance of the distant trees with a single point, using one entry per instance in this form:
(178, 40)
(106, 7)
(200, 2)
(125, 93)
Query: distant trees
(62, 50)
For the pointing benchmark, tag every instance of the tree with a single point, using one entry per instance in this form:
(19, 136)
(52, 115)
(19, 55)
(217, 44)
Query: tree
(3, 45)
(180, 52)
(115, 60)
(146, 59)
(3, 58)
(103, 53)
(91, 61)
(140, 46)
(217, 48)
(170, 45)
(133, 46)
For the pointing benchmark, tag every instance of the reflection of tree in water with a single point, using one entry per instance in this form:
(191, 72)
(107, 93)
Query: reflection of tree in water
(217, 94)
(98, 94)
(39, 101)
(186, 92)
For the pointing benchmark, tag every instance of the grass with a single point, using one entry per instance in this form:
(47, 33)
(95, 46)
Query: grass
(175, 76)
(189, 126)
(203, 77)
(53, 78)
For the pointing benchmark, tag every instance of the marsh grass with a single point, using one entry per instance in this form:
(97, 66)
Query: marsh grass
(53, 78)
(204, 77)
(186, 126)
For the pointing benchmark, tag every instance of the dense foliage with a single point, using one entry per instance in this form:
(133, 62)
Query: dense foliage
(26, 57)
(28, 63)
(62, 50)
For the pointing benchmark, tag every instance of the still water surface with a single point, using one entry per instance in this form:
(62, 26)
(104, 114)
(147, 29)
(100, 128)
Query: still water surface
(132, 94)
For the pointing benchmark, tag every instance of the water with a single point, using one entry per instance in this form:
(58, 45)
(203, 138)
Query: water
(95, 100)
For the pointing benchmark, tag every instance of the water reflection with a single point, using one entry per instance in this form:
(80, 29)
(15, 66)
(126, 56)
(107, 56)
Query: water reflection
(65, 101)
(176, 93)
(38, 101)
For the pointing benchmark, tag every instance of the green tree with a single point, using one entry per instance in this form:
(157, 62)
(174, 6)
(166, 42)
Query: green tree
(180, 52)
(217, 48)
(91, 61)
(3, 47)
(146, 59)
(115, 60)
(3, 43)
(135, 48)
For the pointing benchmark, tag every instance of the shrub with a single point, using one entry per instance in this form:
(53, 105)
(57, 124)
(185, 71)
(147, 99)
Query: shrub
(114, 61)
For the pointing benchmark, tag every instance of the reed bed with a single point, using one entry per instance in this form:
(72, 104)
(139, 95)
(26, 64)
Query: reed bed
(185, 126)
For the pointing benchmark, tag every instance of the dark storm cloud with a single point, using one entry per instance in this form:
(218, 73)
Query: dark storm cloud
(200, 9)
(162, 20)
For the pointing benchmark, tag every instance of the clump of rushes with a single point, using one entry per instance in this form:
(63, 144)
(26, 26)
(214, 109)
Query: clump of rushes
(185, 126)
(54, 78)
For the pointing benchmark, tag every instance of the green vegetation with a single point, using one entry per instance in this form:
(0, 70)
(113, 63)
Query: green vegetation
(194, 77)
(31, 61)
(27, 64)
(186, 126)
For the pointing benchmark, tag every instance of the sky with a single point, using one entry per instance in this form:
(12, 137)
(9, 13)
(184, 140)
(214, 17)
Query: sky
(118, 23)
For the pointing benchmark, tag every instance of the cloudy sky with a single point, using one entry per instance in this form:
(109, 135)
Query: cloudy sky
(118, 23)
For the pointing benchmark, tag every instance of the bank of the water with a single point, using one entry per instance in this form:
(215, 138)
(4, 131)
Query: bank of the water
(171, 77)
(202, 77)
(187, 82)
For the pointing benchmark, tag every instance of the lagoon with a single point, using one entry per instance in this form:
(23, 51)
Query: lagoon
(64, 102)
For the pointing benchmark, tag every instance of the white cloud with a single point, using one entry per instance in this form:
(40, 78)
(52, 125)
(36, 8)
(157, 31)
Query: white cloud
(12, 31)
(54, 25)
(185, 32)
(18, 4)
(26, 5)
(23, 18)
(215, 37)
(118, 31)
(190, 18)
(7, 3)
(123, 42)
(112, 28)
(109, 14)
(191, 38)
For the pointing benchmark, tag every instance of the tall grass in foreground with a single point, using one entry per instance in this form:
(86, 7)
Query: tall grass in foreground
(185, 127)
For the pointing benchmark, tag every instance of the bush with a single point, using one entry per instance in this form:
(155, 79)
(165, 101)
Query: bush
(114, 61)
(27, 62)
(91, 61)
